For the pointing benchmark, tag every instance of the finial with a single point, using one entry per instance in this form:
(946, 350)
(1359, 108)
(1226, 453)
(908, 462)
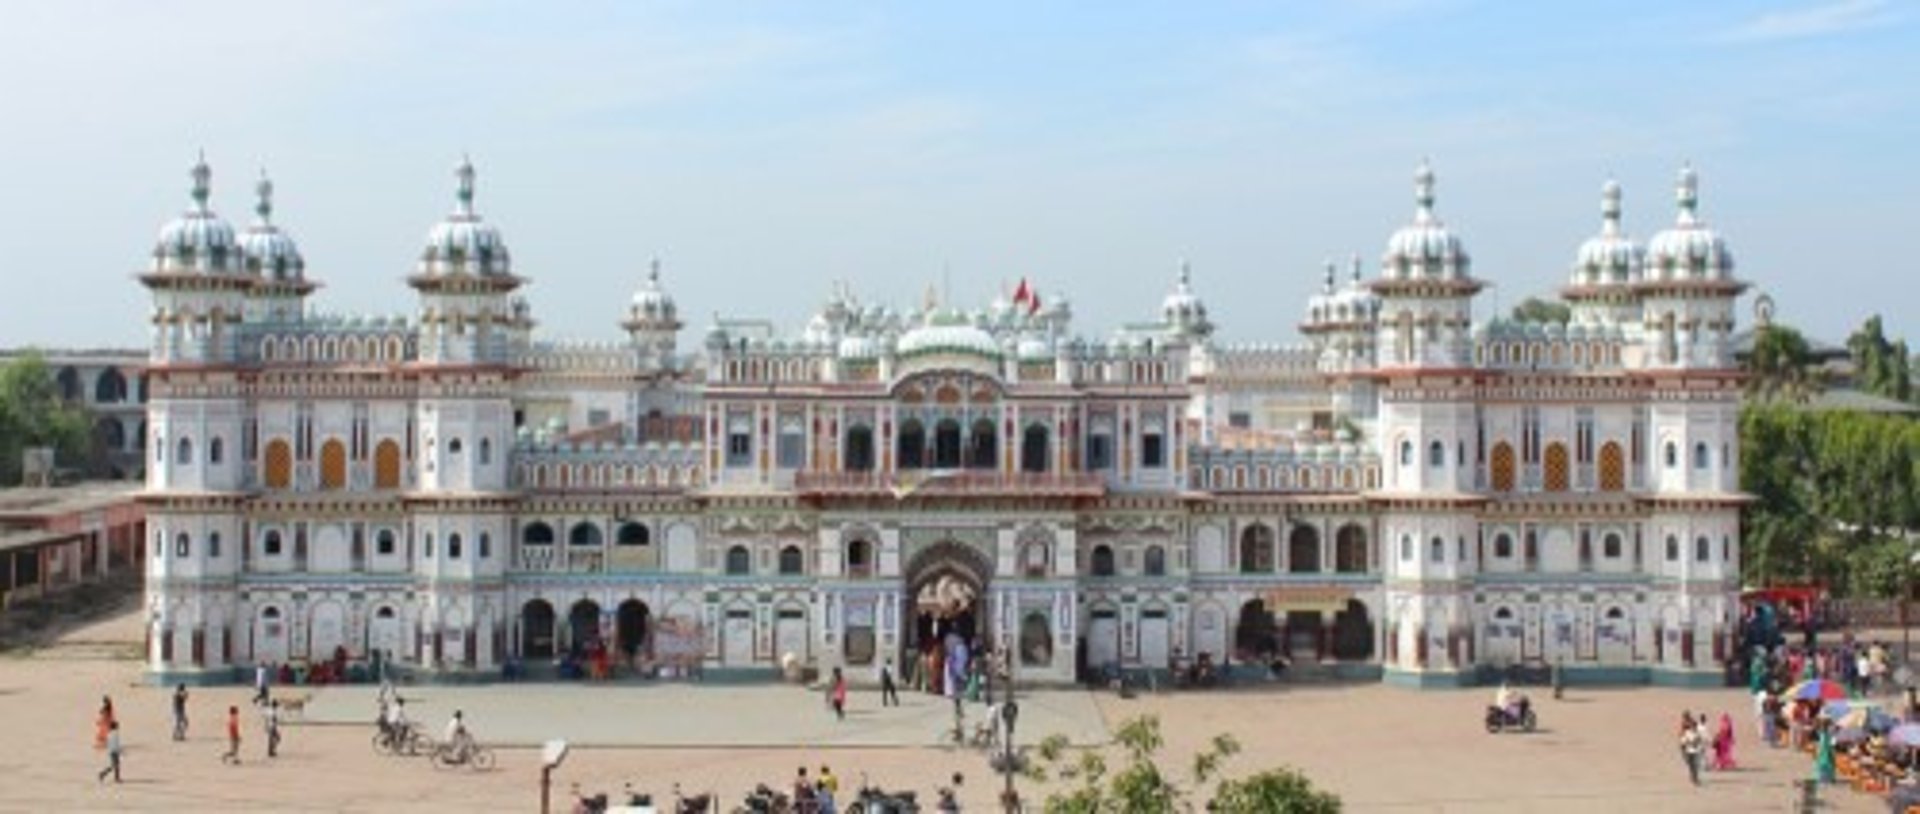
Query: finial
(1688, 192)
(1326, 283)
(1610, 206)
(653, 271)
(1356, 268)
(263, 193)
(1423, 189)
(202, 178)
(464, 173)
(1186, 273)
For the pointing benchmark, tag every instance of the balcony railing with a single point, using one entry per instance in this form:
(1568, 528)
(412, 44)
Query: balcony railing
(939, 483)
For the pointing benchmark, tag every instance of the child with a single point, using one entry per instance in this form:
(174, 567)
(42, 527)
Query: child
(232, 757)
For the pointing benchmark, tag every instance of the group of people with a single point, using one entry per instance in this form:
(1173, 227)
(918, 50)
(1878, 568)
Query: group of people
(1863, 667)
(820, 793)
(1696, 739)
(106, 733)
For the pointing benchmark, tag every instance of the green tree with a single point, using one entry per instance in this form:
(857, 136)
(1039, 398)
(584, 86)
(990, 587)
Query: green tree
(1882, 366)
(1780, 366)
(1139, 784)
(1535, 309)
(32, 414)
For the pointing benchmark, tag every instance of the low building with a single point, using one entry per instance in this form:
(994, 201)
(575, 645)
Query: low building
(53, 539)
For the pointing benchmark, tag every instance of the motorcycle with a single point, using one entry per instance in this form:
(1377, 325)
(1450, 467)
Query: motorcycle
(697, 804)
(1521, 717)
(765, 800)
(872, 800)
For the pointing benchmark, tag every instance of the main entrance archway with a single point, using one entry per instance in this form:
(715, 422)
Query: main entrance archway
(946, 610)
(630, 622)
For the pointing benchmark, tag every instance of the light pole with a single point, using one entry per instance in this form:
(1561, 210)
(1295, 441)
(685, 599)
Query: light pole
(550, 757)
(1009, 714)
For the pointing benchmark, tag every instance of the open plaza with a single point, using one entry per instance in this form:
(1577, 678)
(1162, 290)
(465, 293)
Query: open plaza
(1380, 748)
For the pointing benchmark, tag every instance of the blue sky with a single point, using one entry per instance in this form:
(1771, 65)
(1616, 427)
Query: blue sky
(764, 150)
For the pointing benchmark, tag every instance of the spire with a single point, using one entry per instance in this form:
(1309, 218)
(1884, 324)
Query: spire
(1326, 283)
(1610, 207)
(1356, 268)
(1687, 192)
(202, 178)
(464, 193)
(263, 194)
(1186, 274)
(1423, 192)
(653, 272)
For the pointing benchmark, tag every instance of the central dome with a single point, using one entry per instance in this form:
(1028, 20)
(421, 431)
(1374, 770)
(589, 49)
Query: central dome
(948, 331)
(198, 240)
(1425, 249)
(463, 243)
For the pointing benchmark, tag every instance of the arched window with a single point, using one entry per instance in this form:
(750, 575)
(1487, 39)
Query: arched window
(1673, 548)
(1702, 549)
(792, 562)
(912, 445)
(859, 558)
(1558, 471)
(386, 465)
(453, 546)
(1437, 550)
(1406, 548)
(1303, 550)
(946, 444)
(1436, 454)
(486, 545)
(1613, 468)
(213, 544)
(1503, 467)
(536, 533)
(182, 545)
(585, 534)
(453, 446)
(216, 450)
(1033, 449)
(1103, 560)
(486, 451)
(1156, 561)
(1673, 455)
(1406, 453)
(1350, 550)
(383, 542)
(738, 561)
(270, 543)
(183, 454)
(1610, 546)
(1256, 549)
(333, 464)
(1502, 546)
(426, 544)
(983, 449)
(1699, 455)
(859, 449)
(631, 533)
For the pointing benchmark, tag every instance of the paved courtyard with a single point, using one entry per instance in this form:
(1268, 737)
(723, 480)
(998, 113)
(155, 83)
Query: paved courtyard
(1381, 749)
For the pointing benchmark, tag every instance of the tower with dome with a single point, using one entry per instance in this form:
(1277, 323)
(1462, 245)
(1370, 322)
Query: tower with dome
(1413, 492)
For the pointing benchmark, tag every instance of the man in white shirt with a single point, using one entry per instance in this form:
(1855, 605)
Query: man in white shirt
(457, 738)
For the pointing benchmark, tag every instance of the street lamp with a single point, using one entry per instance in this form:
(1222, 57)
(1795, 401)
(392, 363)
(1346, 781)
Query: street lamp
(550, 757)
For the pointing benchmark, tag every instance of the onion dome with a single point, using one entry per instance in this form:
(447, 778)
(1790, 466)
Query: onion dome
(1355, 302)
(463, 243)
(1182, 310)
(651, 303)
(1425, 249)
(1688, 250)
(1034, 349)
(948, 331)
(1609, 258)
(267, 251)
(198, 240)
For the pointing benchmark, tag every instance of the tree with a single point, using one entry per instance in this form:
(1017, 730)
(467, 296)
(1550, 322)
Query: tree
(1780, 366)
(32, 414)
(1140, 785)
(1882, 366)
(1534, 309)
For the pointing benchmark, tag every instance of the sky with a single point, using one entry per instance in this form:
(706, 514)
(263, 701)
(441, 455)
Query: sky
(763, 151)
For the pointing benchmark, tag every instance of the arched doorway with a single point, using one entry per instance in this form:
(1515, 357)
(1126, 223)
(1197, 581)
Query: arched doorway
(946, 602)
(1033, 449)
(1353, 633)
(946, 444)
(1303, 550)
(1254, 638)
(583, 626)
(536, 630)
(630, 624)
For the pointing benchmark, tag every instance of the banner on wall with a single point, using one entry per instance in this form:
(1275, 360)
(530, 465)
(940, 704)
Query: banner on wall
(1307, 599)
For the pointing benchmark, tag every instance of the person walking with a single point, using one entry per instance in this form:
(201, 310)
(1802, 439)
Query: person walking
(273, 728)
(1723, 745)
(232, 757)
(1691, 748)
(260, 684)
(889, 694)
(180, 712)
(113, 754)
(1823, 756)
(103, 722)
(838, 694)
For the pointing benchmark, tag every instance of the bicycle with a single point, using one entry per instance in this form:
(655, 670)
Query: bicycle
(465, 753)
(410, 742)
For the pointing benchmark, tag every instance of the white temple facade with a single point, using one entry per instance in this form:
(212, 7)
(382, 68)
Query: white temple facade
(1410, 494)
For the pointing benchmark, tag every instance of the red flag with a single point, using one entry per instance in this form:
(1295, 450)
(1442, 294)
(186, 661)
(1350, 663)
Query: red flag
(1033, 303)
(1023, 294)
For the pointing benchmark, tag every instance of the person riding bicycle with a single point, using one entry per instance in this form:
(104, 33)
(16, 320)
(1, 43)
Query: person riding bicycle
(458, 739)
(396, 724)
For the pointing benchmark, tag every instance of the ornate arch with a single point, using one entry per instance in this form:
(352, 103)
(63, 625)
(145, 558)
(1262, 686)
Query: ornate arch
(949, 557)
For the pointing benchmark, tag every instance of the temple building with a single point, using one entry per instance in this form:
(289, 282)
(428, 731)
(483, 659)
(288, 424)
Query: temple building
(1409, 494)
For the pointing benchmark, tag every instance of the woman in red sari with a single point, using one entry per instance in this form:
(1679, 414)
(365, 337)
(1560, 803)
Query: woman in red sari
(1723, 745)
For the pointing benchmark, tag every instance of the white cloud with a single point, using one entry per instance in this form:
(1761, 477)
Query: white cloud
(1812, 21)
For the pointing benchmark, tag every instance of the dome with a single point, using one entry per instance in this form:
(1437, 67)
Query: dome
(948, 331)
(860, 348)
(265, 249)
(1609, 258)
(1320, 306)
(1688, 250)
(1356, 302)
(1182, 307)
(651, 302)
(1425, 249)
(1034, 349)
(198, 240)
(463, 243)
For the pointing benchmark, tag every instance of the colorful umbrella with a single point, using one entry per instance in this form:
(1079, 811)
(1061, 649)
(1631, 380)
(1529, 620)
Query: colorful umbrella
(1818, 689)
(1865, 717)
(1904, 735)
(1852, 734)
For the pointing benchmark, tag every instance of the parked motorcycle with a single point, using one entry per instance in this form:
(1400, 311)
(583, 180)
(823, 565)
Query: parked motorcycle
(697, 804)
(1520, 717)
(765, 800)
(872, 800)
